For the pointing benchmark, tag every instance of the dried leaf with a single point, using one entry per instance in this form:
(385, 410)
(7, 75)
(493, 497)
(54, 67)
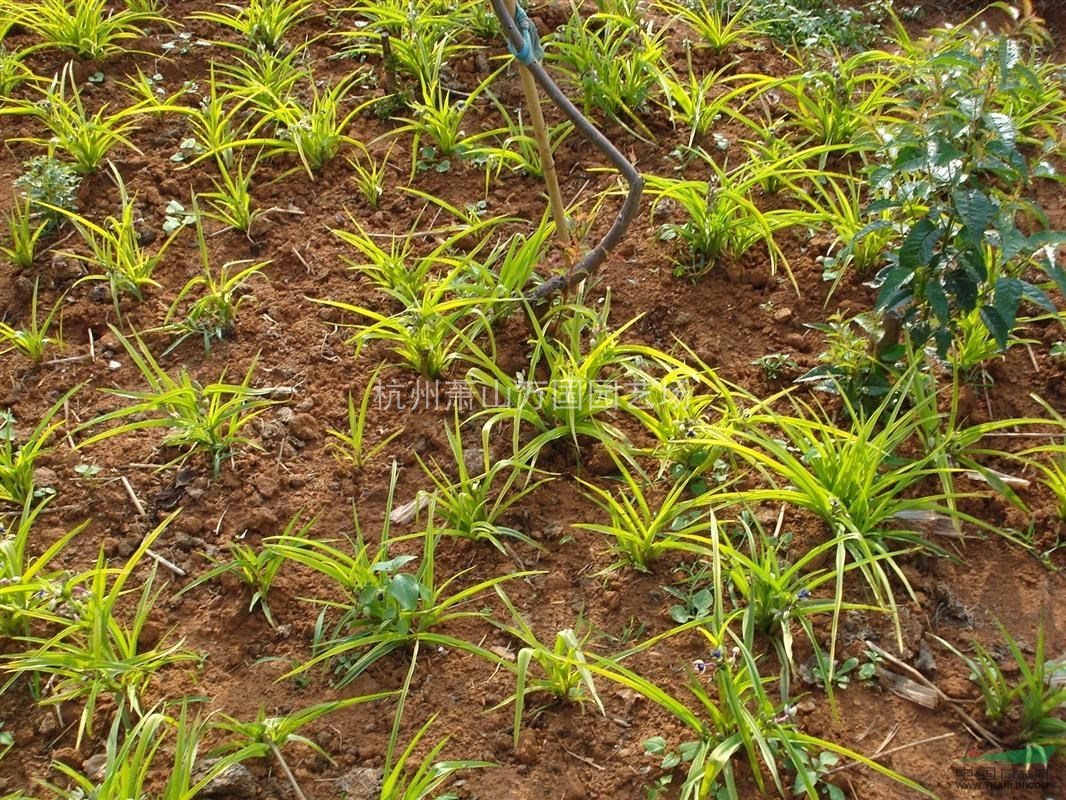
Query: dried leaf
(908, 689)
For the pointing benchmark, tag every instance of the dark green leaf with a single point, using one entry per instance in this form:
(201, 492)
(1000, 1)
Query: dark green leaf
(689, 750)
(1002, 125)
(867, 229)
(1012, 242)
(996, 325)
(702, 601)
(405, 590)
(1057, 274)
(976, 211)
(1007, 298)
(892, 289)
(942, 337)
(1036, 296)
(877, 207)
(938, 301)
(974, 268)
(919, 245)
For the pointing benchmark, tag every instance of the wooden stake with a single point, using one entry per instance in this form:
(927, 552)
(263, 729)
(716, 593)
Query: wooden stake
(540, 132)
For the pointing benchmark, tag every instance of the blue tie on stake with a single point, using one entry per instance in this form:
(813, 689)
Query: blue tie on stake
(532, 50)
(523, 42)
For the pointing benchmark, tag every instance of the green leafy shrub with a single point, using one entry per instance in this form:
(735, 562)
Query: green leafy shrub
(49, 184)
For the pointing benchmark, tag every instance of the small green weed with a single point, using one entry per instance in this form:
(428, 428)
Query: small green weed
(208, 420)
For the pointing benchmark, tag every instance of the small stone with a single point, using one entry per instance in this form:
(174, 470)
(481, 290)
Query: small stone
(527, 753)
(65, 268)
(925, 662)
(554, 531)
(114, 365)
(574, 788)
(600, 461)
(67, 755)
(262, 520)
(24, 286)
(100, 293)
(326, 738)
(267, 486)
(682, 319)
(360, 783)
(473, 459)
(304, 427)
(188, 526)
(46, 725)
(612, 600)
(235, 782)
(783, 314)
(45, 478)
(184, 541)
(95, 766)
(758, 278)
(149, 636)
(330, 314)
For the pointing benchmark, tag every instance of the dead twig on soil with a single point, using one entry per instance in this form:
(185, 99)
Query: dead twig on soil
(878, 753)
(302, 260)
(141, 512)
(884, 742)
(975, 727)
(584, 760)
(66, 360)
(133, 496)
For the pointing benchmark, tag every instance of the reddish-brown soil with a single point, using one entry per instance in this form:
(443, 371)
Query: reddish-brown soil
(728, 317)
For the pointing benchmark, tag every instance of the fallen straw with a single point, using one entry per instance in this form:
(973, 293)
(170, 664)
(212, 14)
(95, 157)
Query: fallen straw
(141, 512)
(975, 727)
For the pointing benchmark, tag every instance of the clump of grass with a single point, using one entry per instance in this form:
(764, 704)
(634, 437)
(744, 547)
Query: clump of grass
(213, 314)
(90, 29)
(199, 419)
(32, 340)
(1026, 696)
(95, 653)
